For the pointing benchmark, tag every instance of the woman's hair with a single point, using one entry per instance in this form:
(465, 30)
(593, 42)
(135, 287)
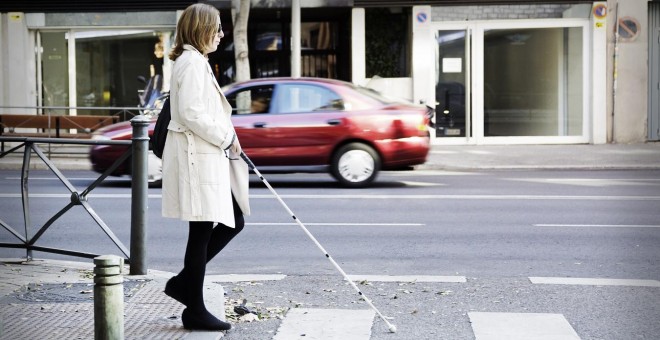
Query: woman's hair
(196, 27)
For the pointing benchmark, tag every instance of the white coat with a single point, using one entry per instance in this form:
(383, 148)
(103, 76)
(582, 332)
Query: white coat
(198, 175)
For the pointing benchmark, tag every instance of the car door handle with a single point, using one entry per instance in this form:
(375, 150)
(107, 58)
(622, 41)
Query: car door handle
(334, 121)
(259, 125)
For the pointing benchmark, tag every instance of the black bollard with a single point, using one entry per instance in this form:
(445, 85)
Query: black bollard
(139, 195)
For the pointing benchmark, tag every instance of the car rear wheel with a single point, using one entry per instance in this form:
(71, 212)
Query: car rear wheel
(355, 165)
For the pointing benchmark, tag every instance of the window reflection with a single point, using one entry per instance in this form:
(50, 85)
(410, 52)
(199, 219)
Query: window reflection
(251, 100)
(122, 68)
(270, 52)
(305, 98)
(113, 68)
(55, 75)
(533, 82)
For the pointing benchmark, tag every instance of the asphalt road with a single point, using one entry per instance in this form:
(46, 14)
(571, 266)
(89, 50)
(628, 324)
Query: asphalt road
(496, 228)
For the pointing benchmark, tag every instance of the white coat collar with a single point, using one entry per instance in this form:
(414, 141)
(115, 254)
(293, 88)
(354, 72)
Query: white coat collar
(191, 48)
(208, 67)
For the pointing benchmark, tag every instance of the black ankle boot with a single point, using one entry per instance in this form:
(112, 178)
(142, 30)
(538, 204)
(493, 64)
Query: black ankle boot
(173, 290)
(203, 321)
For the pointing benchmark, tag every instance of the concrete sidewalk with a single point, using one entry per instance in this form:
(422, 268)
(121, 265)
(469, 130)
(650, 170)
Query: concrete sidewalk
(51, 299)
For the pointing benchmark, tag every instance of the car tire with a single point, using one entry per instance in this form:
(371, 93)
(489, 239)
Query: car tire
(355, 165)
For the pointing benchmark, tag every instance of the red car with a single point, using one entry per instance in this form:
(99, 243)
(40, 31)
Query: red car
(310, 125)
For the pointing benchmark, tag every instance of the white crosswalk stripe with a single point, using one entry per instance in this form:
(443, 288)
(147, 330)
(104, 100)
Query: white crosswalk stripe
(594, 281)
(407, 278)
(521, 326)
(326, 324)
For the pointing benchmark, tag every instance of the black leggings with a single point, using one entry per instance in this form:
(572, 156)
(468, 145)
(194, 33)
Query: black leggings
(204, 243)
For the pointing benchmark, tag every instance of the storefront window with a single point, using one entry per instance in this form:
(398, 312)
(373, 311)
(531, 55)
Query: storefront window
(112, 68)
(533, 82)
(387, 42)
(270, 55)
(55, 77)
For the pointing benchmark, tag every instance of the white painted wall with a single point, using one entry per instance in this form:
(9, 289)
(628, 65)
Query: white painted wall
(598, 55)
(396, 88)
(18, 83)
(358, 46)
(423, 67)
(628, 120)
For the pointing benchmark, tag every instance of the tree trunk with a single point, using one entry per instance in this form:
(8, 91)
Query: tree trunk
(240, 41)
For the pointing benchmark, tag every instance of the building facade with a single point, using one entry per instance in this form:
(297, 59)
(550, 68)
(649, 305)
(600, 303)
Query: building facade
(497, 72)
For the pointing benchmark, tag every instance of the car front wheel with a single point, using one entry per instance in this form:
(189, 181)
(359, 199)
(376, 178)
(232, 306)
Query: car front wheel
(355, 165)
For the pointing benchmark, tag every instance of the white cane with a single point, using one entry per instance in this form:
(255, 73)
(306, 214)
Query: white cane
(390, 326)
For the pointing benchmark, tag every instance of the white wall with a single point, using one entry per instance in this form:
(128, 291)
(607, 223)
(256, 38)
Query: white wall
(629, 121)
(358, 46)
(423, 67)
(598, 84)
(3, 52)
(18, 83)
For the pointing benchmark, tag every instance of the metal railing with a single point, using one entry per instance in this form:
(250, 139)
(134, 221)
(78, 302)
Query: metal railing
(138, 151)
(51, 130)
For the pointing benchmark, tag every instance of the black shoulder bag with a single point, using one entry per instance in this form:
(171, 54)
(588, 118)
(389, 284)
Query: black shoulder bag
(160, 130)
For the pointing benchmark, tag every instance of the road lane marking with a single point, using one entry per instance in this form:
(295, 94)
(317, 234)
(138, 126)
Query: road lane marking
(521, 326)
(244, 277)
(592, 182)
(69, 178)
(122, 196)
(423, 172)
(594, 281)
(383, 197)
(326, 324)
(422, 184)
(599, 225)
(408, 278)
(468, 197)
(342, 224)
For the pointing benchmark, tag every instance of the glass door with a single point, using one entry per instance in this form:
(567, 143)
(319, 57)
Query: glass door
(452, 87)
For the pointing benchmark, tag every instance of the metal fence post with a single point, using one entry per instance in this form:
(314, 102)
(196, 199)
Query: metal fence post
(139, 195)
(108, 298)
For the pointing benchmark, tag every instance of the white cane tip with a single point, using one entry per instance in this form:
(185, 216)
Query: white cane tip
(392, 329)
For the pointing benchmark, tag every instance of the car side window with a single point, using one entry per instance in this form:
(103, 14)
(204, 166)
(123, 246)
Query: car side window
(251, 100)
(307, 98)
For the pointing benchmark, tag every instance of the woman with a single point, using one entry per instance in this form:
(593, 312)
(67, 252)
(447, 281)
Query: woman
(205, 182)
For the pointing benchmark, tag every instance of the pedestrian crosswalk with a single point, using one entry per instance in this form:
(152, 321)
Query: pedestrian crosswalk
(496, 324)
